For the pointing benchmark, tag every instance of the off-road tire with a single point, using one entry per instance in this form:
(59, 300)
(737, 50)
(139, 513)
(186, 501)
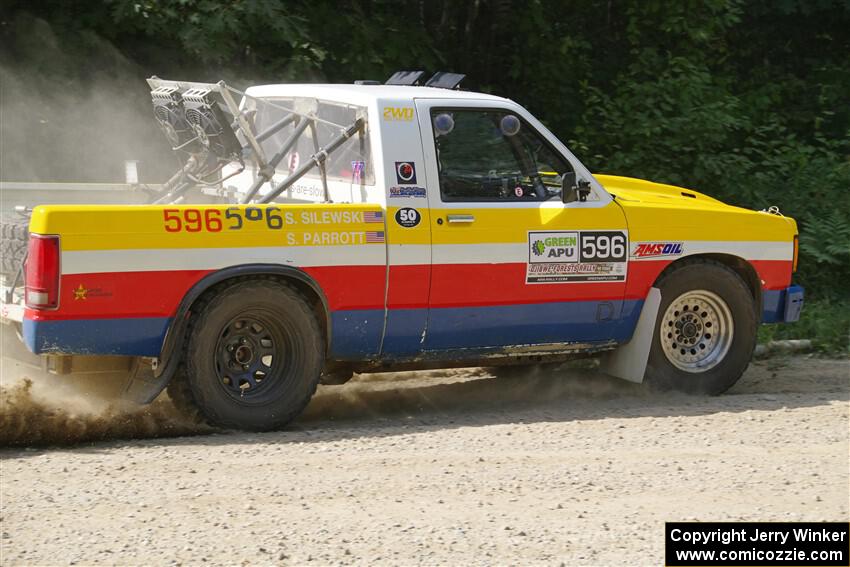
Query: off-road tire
(14, 236)
(298, 346)
(720, 281)
(181, 396)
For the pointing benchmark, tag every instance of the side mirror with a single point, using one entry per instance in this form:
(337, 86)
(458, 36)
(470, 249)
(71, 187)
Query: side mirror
(568, 187)
(572, 189)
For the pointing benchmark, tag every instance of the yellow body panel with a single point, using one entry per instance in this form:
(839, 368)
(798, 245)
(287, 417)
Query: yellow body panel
(512, 225)
(657, 212)
(121, 227)
(653, 212)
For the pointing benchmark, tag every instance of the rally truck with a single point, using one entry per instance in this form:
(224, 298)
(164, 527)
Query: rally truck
(372, 227)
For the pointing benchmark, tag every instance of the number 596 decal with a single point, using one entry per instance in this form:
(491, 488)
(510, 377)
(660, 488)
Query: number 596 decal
(212, 220)
(603, 246)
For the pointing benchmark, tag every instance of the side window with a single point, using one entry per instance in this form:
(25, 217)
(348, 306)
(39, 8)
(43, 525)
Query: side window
(342, 165)
(492, 155)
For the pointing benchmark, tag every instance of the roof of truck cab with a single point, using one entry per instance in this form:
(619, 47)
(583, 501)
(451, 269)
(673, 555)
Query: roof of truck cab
(363, 94)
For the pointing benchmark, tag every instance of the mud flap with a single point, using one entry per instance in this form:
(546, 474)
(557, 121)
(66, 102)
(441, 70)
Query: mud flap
(628, 361)
(143, 386)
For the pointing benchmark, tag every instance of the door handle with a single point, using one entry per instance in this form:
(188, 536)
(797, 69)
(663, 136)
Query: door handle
(460, 218)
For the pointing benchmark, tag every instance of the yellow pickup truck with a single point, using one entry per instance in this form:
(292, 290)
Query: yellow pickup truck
(362, 228)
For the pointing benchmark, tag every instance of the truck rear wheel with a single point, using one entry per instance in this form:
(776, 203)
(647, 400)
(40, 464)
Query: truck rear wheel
(14, 236)
(254, 356)
(705, 332)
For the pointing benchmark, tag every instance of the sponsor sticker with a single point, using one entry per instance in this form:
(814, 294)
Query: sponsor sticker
(547, 247)
(405, 172)
(657, 249)
(407, 217)
(577, 256)
(304, 190)
(357, 168)
(294, 161)
(81, 292)
(401, 192)
(398, 114)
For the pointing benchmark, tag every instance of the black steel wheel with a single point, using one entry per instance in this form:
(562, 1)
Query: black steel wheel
(254, 356)
(251, 354)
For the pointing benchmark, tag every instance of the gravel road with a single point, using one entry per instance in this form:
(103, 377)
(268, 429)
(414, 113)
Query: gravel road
(561, 466)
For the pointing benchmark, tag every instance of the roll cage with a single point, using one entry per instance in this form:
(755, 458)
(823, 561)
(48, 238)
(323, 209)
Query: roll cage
(209, 130)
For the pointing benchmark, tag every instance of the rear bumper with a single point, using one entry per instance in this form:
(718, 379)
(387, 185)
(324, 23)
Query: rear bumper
(782, 305)
(127, 337)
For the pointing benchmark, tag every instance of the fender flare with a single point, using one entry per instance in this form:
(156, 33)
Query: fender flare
(145, 388)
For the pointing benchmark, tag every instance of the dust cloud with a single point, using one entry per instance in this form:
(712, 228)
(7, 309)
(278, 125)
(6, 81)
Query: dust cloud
(27, 419)
(47, 410)
(73, 108)
(40, 408)
(463, 391)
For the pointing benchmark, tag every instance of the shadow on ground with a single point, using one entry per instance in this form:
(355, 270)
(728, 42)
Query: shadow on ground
(397, 403)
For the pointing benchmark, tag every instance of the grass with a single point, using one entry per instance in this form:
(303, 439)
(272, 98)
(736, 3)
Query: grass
(826, 322)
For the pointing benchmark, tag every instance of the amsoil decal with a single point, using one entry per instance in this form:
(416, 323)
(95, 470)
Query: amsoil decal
(405, 172)
(577, 256)
(657, 249)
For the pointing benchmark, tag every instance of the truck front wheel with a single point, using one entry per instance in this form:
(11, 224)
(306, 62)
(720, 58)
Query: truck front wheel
(254, 356)
(705, 332)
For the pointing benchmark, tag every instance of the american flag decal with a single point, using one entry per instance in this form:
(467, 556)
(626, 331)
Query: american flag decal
(374, 237)
(373, 217)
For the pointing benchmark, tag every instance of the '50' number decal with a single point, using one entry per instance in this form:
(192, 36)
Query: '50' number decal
(212, 220)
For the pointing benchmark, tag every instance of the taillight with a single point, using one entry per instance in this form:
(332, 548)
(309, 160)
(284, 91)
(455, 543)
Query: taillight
(796, 253)
(41, 272)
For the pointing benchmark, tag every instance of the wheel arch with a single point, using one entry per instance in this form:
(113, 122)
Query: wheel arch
(171, 352)
(739, 265)
(629, 360)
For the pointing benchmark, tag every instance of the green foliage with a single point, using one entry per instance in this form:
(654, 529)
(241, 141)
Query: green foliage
(827, 241)
(266, 33)
(826, 322)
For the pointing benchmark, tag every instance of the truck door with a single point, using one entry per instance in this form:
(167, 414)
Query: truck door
(512, 265)
(408, 230)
